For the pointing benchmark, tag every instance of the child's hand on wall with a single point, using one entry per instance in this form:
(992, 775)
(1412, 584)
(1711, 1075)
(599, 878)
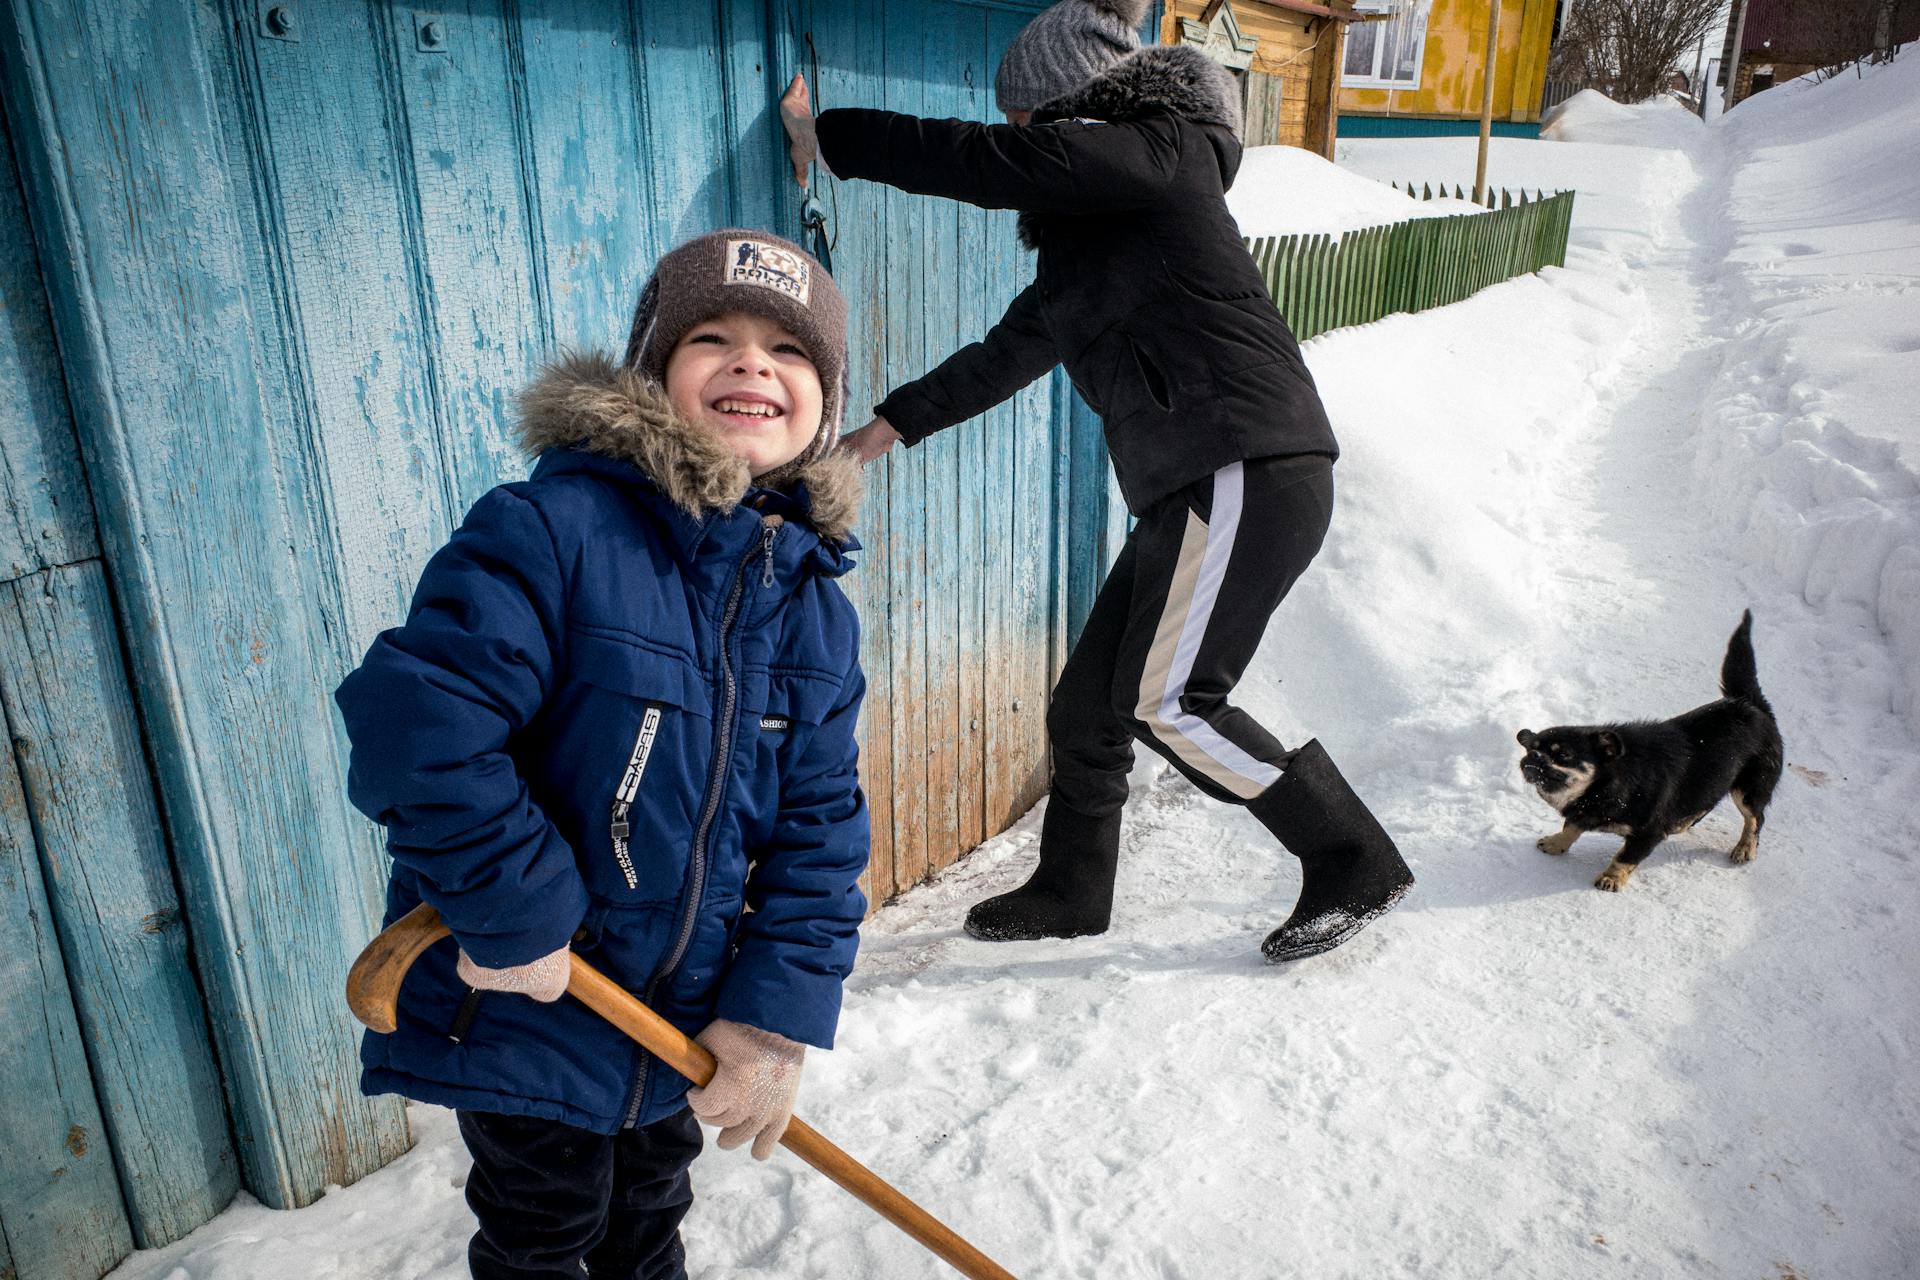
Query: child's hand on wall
(796, 112)
(870, 441)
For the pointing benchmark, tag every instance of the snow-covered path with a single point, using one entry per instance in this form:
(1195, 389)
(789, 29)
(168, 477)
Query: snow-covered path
(1513, 1074)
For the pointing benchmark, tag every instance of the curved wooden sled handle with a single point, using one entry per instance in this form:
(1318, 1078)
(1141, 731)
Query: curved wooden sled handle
(373, 993)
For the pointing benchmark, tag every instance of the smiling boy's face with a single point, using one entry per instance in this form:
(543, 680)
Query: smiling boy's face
(749, 381)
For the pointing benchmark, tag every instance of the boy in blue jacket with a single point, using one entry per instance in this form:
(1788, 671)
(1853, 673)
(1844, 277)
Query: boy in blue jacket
(620, 719)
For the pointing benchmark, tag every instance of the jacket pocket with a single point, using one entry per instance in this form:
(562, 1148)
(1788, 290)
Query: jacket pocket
(1151, 377)
(638, 749)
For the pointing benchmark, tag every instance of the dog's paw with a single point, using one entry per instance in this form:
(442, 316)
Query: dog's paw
(1614, 878)
(1744, 852)
(1556, 843)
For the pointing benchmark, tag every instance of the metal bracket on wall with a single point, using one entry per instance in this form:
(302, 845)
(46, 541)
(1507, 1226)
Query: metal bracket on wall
(429, 32)
(277, 22)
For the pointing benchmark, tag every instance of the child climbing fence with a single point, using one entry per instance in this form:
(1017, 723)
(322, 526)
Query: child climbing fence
(1320, 283)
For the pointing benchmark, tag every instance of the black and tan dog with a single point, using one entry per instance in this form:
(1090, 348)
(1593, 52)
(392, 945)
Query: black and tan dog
(1652, 779)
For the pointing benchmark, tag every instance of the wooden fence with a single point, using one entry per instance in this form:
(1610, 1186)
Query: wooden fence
(1320, 283)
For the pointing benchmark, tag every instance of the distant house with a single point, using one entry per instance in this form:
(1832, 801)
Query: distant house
(1782, 40)
(1415, 67)
(1284, 53)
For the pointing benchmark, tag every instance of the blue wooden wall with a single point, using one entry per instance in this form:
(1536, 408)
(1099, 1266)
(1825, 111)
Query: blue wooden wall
(112, 1128)
(295, 271)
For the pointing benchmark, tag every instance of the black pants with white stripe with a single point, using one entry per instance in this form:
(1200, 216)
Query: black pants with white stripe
(1173, 628)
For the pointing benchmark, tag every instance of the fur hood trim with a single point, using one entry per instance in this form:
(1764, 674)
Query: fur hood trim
(1173, 77)
(586, 401)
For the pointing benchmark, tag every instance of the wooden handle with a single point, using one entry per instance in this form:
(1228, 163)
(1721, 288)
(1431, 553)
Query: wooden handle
(373, 993)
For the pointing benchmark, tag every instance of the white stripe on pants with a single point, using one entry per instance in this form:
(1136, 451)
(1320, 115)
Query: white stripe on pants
(1205, 549)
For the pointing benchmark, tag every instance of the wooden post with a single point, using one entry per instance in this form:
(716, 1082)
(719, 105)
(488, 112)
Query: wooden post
(1486, 101)
(1323, 88)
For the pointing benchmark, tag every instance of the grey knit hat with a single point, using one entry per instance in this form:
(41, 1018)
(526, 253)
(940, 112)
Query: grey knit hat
(752, 271)
(1064, 47)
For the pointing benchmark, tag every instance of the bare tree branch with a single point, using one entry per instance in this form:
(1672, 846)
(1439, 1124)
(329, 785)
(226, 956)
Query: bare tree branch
(1627, 48)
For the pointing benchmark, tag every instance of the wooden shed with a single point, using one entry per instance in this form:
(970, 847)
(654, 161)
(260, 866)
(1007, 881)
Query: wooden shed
(1284, 53)
(271, 273)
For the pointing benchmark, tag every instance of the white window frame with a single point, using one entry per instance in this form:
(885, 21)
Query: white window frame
(1424, 10)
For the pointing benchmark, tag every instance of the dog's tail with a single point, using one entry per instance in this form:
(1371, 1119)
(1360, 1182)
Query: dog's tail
(1739, 674)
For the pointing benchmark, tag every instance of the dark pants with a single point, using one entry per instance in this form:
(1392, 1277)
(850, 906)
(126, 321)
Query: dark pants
(553, 1200)
(1173, 629)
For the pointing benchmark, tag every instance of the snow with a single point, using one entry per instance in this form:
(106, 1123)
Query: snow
(1591, 116)
(1555, 500)
(1284, 191)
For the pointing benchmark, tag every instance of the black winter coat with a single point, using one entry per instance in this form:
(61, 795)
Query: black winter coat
(1144, 290)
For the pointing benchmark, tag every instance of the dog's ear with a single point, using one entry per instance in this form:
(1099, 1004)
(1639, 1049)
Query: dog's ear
(1526, 738)
(1610, 746)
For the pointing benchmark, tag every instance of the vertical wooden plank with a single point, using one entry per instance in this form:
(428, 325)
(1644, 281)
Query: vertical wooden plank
(682, 65)
(906, 344)
(1002, 430)
(110, 886)
(464, 123)
(1321, 282)
(1302, 273)
(1382, 238)
(174, 332)
(60, 1210)
(943, 284)
(1348, 247)
(589, 166)
(1036, 638)
(46, 517)
(341, 199)
(850, 39)
(750, 156)
(980, 593)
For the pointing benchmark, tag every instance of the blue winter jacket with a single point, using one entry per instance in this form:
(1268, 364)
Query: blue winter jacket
(621, 711)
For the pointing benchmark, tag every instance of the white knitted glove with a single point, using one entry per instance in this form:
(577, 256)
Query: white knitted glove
(544, 979)
(751, 1093)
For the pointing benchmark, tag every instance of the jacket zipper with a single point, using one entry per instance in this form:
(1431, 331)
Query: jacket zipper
(623, 794)
(716, 782)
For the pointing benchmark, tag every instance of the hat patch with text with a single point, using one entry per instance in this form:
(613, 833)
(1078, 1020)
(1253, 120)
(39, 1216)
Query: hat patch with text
(769, 266)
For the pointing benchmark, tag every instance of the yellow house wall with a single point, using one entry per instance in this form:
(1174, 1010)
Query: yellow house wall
(1454, 64)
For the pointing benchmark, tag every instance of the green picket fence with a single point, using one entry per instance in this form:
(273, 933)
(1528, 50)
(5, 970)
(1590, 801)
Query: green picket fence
(1320, 283)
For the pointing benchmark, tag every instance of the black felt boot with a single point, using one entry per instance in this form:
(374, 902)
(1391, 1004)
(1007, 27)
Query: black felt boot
(1070, 894)
(1350, 873)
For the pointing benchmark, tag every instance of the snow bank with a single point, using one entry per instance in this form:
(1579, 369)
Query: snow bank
(1813, 461)
(1591, 116)
(1813, 451)
(1285, 191)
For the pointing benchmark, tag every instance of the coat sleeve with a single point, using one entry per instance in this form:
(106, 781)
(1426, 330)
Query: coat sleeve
(978, 376)
(1069, 166)
(796, 943)
(430, 713)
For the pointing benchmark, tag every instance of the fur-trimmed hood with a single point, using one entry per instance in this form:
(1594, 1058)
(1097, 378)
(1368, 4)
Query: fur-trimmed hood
(588, 402)
(1170, 77)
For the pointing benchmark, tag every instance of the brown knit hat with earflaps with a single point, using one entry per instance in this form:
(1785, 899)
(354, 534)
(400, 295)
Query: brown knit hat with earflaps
(751, 271)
